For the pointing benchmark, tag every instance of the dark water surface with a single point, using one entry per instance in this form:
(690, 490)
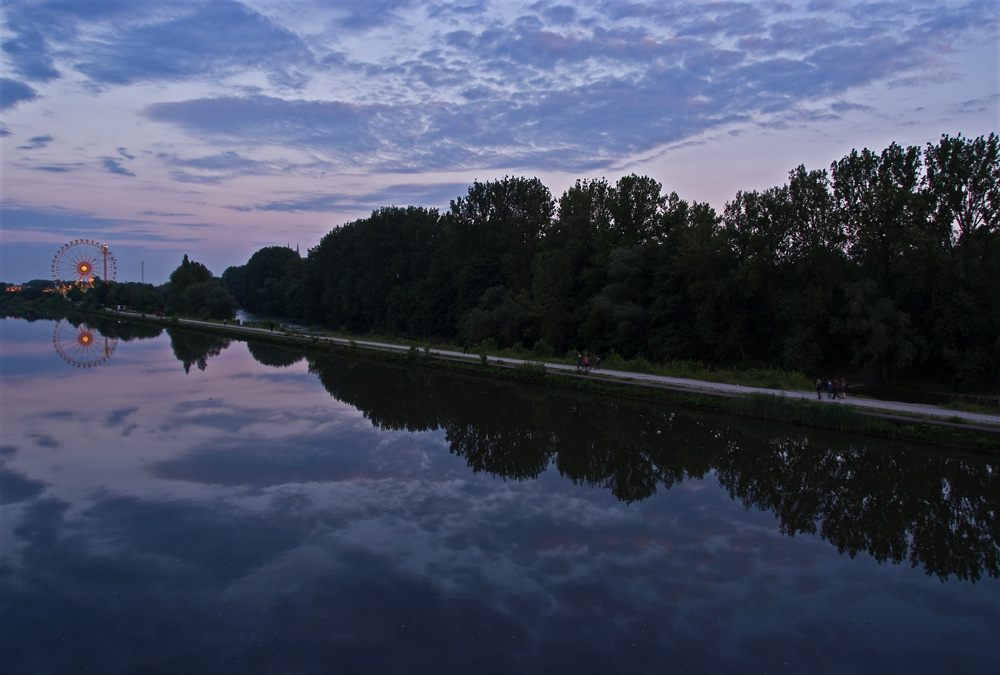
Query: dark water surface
(187, 504)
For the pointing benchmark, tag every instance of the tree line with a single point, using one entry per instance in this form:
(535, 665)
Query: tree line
(886, 264)
(191, 291)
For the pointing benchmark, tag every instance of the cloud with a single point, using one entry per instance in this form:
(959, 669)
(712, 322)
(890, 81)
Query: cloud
(188, 533)
(978, 104)
(13, 92)
(366, 16)
(267, 119)
(218, 168)
(16, 488)
(113, 165)
(29, 57)
(116, 417)
(44, 440)
(547, 86)
(36, 142)
(437, 195)
(166, 214)
(561, 15)
(72, 224)
(213, 39)
(552, 91)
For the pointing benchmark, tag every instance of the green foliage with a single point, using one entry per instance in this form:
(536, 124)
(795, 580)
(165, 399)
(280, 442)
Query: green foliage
(529, 372)
(193, 291)
(800, 411)
(187, 274)
(142, 298)
(487, 346)
(542, 349)
(270, 283)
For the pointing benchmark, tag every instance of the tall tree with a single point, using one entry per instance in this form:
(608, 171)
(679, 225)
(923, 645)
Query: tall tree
(963, 183)
(270, 282)
(194, 291)
(509, 217)
(637, 209)
(963, 188)
(883, 210)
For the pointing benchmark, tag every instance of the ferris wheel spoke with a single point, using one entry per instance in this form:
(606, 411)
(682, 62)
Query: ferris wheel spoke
(81, 261)
(82, 346)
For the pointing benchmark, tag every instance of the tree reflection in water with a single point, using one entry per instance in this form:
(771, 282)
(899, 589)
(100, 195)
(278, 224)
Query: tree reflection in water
(192, 348)
(896, 502)
(271, 355)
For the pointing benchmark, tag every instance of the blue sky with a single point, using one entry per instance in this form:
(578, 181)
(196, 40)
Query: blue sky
(215, 127)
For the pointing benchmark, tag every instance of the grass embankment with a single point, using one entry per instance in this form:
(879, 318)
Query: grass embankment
(809, 413)
(803, 412)
(766, 378)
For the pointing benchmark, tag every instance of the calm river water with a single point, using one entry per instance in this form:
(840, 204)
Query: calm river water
(172, 502)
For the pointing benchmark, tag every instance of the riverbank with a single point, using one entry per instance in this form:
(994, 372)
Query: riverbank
(908, 421)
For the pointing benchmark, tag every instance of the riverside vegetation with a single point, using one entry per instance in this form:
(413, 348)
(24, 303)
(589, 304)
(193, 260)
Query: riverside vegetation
(883, 268)
(195, 344)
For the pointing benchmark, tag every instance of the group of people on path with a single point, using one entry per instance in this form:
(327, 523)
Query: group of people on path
(836, 388)
(587, 362)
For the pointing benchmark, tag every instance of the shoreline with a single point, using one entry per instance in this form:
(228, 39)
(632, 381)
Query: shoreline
(914, 422)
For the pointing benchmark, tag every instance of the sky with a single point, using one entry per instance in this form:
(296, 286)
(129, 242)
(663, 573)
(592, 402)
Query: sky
(214, 128)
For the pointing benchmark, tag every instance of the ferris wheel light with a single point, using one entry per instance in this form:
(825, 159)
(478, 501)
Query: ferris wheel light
(82, 346)
(76, 262)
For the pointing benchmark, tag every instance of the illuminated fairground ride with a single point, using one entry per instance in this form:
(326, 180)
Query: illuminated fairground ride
(81, 261)
(82, 346)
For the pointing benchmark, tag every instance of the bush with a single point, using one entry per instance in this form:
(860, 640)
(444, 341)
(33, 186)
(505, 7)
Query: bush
(529, 372)
(638, 365)
(487, 346)
(800, 411)
(542, 349)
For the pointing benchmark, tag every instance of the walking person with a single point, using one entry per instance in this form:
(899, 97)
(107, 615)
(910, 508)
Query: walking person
(819, 388)
(829, 388)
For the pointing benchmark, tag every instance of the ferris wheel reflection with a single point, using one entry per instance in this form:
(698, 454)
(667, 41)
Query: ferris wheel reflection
(82, 346)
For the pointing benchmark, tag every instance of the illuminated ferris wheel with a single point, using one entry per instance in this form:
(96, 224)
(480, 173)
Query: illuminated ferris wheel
(82, 346)
(81, 261)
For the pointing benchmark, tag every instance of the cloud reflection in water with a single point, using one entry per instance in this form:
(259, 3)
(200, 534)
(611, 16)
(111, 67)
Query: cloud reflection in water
(239, 518)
